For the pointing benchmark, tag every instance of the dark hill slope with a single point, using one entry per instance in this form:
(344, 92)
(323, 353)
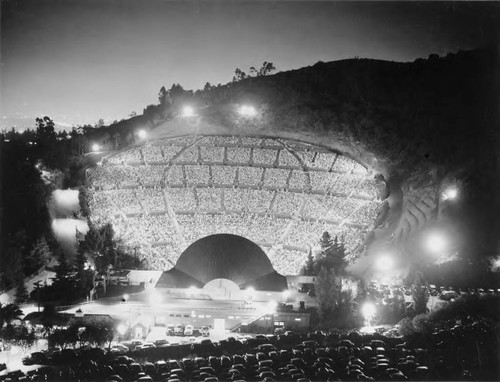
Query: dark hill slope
(430, 112)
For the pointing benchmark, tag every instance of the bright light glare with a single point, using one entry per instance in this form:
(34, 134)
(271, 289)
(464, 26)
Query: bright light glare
(250, 290)
(142, 134)
(368, 310)
(125, 297)
(247, 111)
(436, 242)
(95, 147)
(451, 193)
(286, 294)
(187, 111)
(384, 263)
(122, 329)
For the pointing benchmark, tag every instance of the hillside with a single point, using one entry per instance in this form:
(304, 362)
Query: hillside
(422, 124)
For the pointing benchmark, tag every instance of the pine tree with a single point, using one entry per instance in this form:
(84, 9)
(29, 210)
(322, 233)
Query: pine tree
(22, 295)
(309, 268)
(62, 268)
(420, 298)
(326, 291)
(326, 241)
(40, 253)
(162, 96)
(334, 257)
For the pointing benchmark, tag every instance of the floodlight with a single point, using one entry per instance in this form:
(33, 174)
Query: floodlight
(368, 310)
(142, 134)
(384, 263)
(122, 329)
(187, 111)
(95, 147)
(247, 111)
(451, 193)
(436, 242)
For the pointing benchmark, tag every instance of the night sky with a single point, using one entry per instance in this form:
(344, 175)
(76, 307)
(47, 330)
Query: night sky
(78, 61)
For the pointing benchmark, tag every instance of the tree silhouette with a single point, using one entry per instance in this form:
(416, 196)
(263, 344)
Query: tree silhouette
(239, 75)
(309, 267)
(420, 297)
(266, 68)
(326, 241)
(9, 313)
(22, 295)
(162, 96)
(326, 291)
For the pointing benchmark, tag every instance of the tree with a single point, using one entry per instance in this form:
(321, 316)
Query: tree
(266, 68)
(325, 241)
(48, 320)
(309, 266)
(100, 123)
(9, 313)
(208, 86)
(162, 96)
(420, 297)
(22, 295)
(20, 336)
(239, 75)
(38, 256)
(326, 291)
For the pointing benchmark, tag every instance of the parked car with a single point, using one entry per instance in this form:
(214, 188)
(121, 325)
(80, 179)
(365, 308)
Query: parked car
(205, 331)
(188, 330)
(179, 330)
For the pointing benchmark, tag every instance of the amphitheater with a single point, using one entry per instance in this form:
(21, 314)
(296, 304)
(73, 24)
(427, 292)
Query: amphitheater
(163, 195)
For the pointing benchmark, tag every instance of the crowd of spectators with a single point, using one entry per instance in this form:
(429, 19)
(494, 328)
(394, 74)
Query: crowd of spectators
(209, 199)
(153, 154)
(306, 233)
(288, 203)
(175, 175)
(287, 159)
(258, 228)
(343, 164)
(192, 189)
(148, 229)
(238, 155)
(160, 257)
(367, 214)
(151, 199)
(224, 175)
(323, 181)
(102, 205)
(264, 156)
(346, 183)
(127, 157)
(197, 174)
(342, 208)
(125, 199)
(181, 199)
(287, 262)
(212, 154)
(276, 177)
(190, 154)
(249, 176)
(299, 180)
